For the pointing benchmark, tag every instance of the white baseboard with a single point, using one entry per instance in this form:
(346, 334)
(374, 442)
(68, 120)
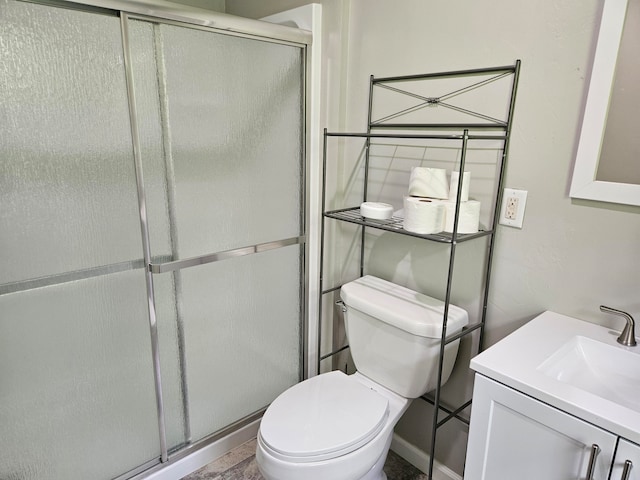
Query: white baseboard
(198, 459)
(420, 459)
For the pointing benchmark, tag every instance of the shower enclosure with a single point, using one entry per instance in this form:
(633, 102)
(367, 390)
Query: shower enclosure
(152, 234)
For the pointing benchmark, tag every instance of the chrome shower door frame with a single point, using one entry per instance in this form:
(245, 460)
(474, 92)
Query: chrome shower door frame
(227, 25)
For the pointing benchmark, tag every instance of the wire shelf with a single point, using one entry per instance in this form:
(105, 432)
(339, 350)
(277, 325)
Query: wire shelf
(394, 224)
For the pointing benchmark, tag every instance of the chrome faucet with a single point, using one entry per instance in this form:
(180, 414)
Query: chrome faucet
(628, 335)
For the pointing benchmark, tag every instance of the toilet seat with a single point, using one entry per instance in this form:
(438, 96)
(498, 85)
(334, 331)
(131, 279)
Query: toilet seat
(322, 418)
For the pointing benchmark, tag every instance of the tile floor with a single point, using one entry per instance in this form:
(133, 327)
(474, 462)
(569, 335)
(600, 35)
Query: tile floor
(240, 464)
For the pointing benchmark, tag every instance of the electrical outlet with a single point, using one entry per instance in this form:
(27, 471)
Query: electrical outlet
(513, 203)
(511, 209)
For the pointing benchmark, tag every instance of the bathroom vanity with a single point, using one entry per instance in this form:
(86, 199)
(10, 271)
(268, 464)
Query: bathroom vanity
(558, 399)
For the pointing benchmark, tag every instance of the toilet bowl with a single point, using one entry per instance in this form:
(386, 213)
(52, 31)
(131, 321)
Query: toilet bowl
(332, 426)
(339, 427)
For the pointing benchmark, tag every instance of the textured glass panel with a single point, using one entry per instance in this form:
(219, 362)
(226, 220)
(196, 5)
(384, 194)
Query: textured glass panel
(170, 350)
(220, 129)
(77, 398)
(232, 114)
(157, 173)
(67, 185)
(157, 180)
(242, 330)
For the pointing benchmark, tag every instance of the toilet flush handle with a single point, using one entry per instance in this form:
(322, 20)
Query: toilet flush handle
(342, 305)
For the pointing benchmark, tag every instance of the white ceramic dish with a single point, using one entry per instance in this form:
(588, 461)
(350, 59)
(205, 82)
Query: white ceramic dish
(376, 210)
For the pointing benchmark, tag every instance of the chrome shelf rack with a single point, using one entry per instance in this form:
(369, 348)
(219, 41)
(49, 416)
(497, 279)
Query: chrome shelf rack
(461, 132)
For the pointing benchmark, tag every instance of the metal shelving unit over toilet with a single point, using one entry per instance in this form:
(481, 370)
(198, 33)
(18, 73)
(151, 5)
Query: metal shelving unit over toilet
(484, 127)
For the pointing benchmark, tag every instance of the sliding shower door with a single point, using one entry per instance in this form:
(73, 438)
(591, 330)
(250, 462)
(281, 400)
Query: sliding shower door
(130, 146)
(77, 396)
(221, 128)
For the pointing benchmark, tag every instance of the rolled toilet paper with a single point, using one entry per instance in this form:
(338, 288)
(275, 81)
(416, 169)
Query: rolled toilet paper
(428, 182)
(469, 219)
(423, 215)
(453, 186)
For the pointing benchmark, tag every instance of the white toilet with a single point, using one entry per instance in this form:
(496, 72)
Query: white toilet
(339, 427)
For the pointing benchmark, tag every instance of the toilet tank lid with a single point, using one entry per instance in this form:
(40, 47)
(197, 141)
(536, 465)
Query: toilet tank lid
(402, 307)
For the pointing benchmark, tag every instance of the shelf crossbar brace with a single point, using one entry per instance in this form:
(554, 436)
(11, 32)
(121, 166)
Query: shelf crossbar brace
(451, 413)
(435, 101)
(455, 414)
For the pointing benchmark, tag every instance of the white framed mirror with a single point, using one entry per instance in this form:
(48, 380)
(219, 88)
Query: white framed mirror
(607, 164)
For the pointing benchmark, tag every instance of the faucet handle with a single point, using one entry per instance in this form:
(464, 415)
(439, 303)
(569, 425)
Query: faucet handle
(628, 335)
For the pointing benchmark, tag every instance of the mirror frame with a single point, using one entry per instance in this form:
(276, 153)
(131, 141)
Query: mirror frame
(584, 184)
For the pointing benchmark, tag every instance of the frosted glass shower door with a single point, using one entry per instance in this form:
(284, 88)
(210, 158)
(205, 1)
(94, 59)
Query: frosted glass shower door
(221, 124)
(77, 398)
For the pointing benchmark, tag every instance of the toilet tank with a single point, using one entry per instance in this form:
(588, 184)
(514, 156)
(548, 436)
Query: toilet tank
(395, 334)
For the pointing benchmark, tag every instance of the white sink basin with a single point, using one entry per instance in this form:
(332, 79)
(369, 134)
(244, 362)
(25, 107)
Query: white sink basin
(604, 370)
(574, 365)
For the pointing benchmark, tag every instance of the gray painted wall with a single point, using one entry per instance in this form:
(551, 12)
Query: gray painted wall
(571, 256)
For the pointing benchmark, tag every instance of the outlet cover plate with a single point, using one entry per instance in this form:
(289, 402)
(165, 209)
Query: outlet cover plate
(512, 211)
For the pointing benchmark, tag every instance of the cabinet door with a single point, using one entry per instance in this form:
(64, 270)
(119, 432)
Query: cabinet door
(513, 436)
(626, 451)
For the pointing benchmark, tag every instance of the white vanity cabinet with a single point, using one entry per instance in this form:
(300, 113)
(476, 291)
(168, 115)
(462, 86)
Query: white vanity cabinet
(627, 451)
(513, 436)
(546, 394)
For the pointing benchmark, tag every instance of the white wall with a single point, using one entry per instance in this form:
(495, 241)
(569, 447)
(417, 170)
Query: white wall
(215, 5)
(571, 256)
